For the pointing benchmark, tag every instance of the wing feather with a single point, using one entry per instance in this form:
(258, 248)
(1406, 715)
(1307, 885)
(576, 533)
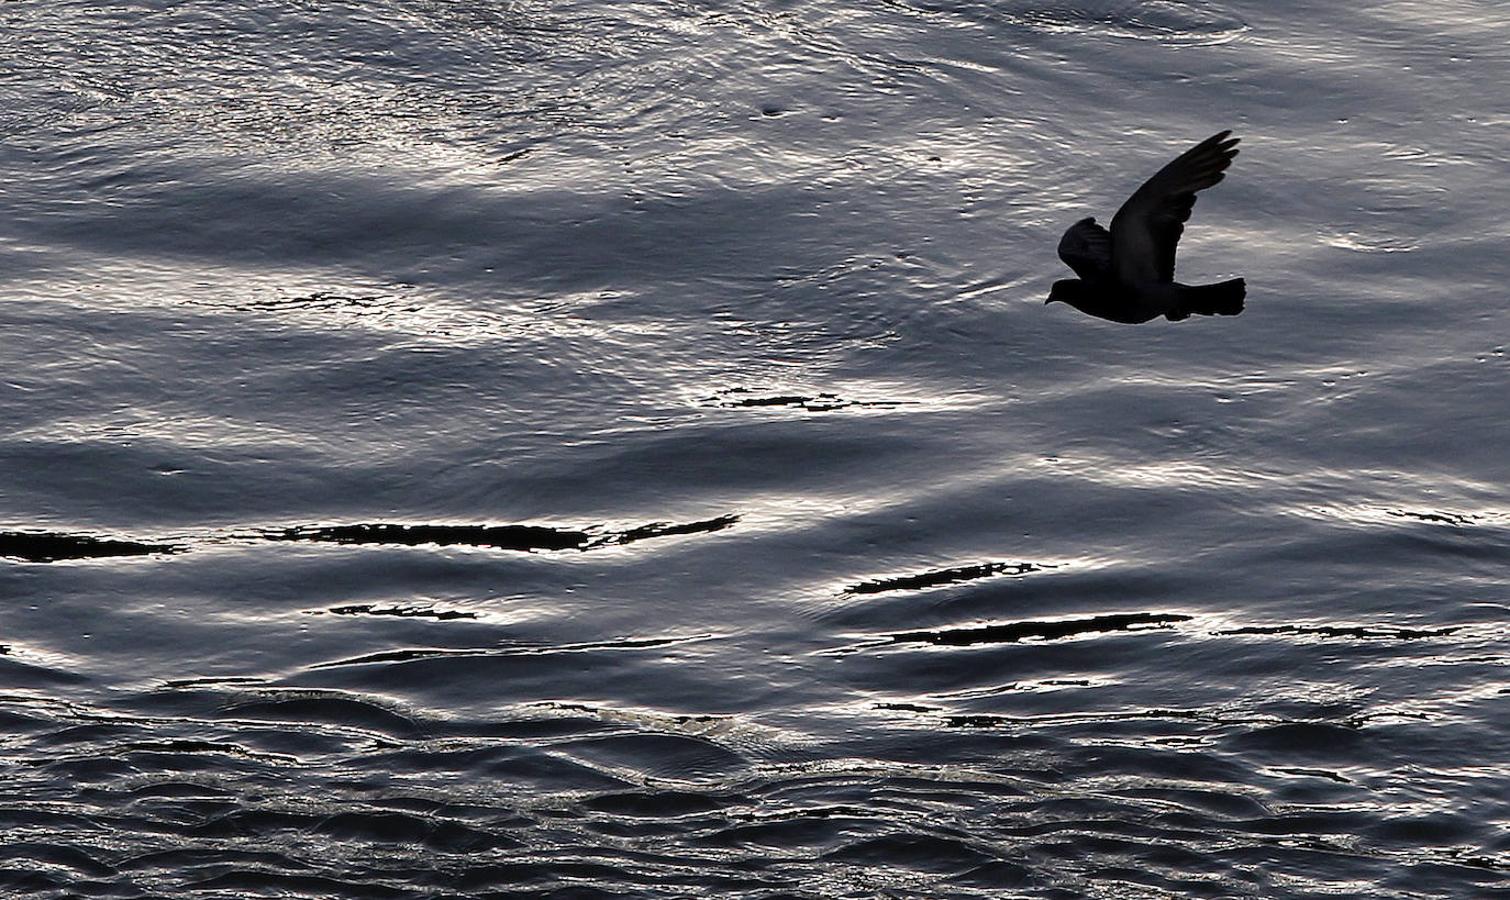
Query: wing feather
(1146, 230)
(1087, 248)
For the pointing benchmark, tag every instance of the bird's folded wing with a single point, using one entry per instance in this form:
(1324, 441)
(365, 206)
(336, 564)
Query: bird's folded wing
(1087, 248)
(1146, 230)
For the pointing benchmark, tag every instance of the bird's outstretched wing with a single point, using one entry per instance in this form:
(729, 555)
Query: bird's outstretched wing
(1087, 248)
(1147, 228)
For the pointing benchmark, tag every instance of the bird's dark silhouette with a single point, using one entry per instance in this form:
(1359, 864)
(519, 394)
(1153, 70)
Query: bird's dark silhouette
(1127, 274)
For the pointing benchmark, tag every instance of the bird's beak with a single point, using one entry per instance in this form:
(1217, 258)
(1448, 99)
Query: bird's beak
(1048, 301)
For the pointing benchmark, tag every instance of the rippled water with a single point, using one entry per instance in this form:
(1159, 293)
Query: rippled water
(463, 449)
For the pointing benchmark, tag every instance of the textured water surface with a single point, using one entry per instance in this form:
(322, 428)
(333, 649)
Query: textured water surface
(461, 449)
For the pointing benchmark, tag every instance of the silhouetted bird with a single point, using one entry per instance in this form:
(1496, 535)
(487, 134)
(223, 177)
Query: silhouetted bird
(1127, 274)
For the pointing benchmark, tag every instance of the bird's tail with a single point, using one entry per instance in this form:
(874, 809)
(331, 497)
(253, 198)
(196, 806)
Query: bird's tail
(1221, 299)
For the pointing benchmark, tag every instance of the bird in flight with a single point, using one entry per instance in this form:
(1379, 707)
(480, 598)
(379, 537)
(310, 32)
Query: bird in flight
(1127, 274)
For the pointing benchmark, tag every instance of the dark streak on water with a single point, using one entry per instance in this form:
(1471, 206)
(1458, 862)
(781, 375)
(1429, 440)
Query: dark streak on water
(497, 537)
(53, 547)
(1357, 632)
(943, 576)
(1012, 632)
(734, 398)
(411, 612)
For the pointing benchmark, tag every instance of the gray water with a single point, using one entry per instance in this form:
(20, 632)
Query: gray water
(768, 535)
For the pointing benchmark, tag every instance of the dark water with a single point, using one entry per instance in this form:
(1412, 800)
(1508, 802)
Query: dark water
(459, 449)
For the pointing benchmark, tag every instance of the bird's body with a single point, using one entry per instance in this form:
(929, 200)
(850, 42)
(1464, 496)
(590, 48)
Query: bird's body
(1127, 273)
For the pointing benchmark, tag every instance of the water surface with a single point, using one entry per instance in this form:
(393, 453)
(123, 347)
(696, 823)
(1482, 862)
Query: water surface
(579, 449)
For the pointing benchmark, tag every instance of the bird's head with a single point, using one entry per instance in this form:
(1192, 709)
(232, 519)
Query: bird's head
(1067, 290)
